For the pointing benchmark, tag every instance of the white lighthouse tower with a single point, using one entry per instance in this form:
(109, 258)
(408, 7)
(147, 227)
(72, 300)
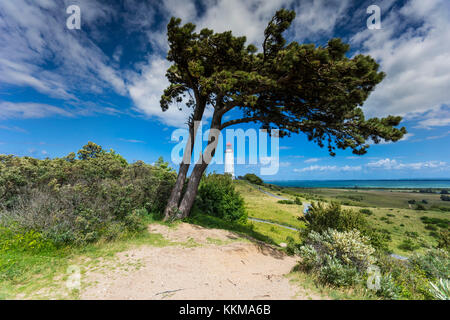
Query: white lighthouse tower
(229, 160)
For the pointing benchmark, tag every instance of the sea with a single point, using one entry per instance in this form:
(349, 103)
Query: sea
(387, 184)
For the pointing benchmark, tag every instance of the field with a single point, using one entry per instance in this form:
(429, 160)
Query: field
(389, 210)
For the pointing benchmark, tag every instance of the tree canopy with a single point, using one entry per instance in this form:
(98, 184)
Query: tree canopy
(292, 87)
(288, 86)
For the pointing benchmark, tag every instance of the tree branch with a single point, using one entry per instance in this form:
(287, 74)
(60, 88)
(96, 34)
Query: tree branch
(243, 120)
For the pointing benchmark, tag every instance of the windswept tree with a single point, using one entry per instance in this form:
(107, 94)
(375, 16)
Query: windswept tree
(291, 87)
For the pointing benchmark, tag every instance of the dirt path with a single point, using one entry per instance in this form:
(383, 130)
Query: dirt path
(218, 265)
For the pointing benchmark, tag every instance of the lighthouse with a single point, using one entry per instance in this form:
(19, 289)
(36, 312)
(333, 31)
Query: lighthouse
(229, 160)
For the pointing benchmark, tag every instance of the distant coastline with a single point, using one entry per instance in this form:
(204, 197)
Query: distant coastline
(365, 184)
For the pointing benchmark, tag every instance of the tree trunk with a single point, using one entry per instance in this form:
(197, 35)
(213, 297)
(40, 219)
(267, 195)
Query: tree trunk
(191, 192)
(175, 196)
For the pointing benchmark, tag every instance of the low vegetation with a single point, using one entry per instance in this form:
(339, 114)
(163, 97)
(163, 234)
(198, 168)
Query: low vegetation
(54, 210)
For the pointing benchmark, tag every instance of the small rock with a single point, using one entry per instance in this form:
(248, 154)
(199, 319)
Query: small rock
(283, 245)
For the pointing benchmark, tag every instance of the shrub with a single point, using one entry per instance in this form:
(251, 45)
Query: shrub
(388, 288)
(408, 245)
(440, 290)
(338, 258)
(420, 207)
(286, 201)
(298, 201)
(443, 239)
(435, 263)
(321, 218)
(69, 200)
(445, 198)
(407, 281)
(253, 178)
(366, 212)
(217, 197)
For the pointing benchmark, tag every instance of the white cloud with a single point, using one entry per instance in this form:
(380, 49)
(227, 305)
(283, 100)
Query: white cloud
(12, 128)
(10, 110)
(311, 160)
(345, 168)
(392, 164)
(433, 118)
(131, 140)
(416, 60)
(37, 50)
(146, 88)
(318, 18)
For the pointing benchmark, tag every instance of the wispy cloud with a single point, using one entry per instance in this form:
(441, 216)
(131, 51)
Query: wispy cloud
(328, 168)
(392, 164)
(311, 160)
(412, 58)
(131, 140)
(9, 110)
(13, 128)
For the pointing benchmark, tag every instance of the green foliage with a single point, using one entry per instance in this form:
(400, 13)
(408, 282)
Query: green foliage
(320, 218)
(339, 258)
(217, 197)
(420, 206)
(441, 223)
(366, 212)
(435, 263)
(444, 239)
(253, 178)
(441, 289)
(406, 281)
(69, 200)
(286, 201)
(30, 241)
(445, 197)
(408, 245)
(298, 201)
(281, 86)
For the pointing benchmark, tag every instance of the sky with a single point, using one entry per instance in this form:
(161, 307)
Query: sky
(60, 88)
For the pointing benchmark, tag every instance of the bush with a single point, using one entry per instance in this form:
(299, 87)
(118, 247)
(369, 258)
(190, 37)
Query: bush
(253, 178)
(441, 289)
(338, 258)
(420, 207)
(443, 239)
(408, 245)
(68, 200)
(366, 212)
(217, 197)
(445, 198)
(321, 218)
(406, 281)
(286, 201)
(298, 201)
(435, 263)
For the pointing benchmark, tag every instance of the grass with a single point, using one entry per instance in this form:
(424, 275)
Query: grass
(311, 284)
(377, 198)
(262, 206)
(25, 275)
(390, 211)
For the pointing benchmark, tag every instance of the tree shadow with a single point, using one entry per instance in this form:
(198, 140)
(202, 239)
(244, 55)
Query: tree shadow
(265, 244)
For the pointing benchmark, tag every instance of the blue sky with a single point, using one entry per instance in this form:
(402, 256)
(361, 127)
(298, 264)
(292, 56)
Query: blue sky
(60, 88)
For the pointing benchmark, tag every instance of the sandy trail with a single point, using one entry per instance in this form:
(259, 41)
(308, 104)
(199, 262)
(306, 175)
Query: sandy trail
(221, 266)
